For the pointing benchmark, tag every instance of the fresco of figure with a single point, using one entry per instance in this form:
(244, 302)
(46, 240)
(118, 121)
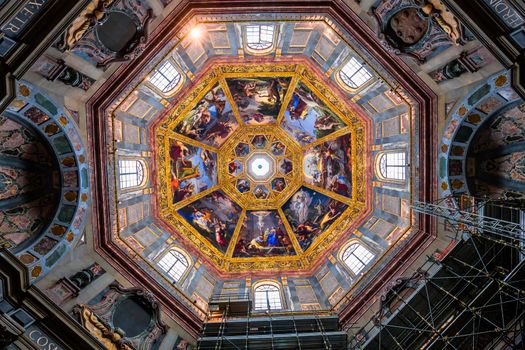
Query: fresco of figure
(307, 118)
(263, 235)
(261, 192)
(242, 149)
(278, 148)
(329, 165)
(243, 185)
(259, 141)
(235, 168)
(258, 100)
(310, 213)
(278, 184)
(211, 121)
(213, 216)
(193, 170)
(285, 166)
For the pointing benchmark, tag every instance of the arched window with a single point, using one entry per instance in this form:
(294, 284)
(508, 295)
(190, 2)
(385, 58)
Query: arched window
(260, 38)
(354, 74)
(131, 173)
(267, 296)
(174, 263)
(392, 166)
(356, 257)
(166, 78)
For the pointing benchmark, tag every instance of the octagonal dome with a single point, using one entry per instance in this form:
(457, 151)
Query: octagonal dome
(332, 145)
(259, 161)
(252, 147)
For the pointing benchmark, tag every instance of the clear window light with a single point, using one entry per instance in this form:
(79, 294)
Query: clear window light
(131, 173)
(259, 37)
(174, 264)
(354, 74)
(166, 77)
(267, 297)
(392, 165)
(356, 257)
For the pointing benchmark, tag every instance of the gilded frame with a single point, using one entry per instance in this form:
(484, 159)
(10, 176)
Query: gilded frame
(226, 262)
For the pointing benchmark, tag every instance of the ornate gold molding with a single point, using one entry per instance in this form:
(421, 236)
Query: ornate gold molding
(355, 128)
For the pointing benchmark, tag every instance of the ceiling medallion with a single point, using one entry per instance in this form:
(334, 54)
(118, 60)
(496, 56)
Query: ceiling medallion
(261, 167)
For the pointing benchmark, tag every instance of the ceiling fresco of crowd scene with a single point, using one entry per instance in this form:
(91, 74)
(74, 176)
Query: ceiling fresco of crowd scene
(238, 224)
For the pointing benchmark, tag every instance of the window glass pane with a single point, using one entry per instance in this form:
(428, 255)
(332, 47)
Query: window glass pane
(354, 74)
(174, 264)
(356, 257)
(166, 77)
(392, 165)
(259, 37)
(131, 173)
(267, 297)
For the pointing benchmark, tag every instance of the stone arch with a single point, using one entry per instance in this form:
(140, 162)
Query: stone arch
(492, 98)
(52, 123)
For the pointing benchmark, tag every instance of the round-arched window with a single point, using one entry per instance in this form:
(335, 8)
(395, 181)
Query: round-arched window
(174, 264)
(131, 173)
(354, 74)
(166, 78)
(392, 166)
(356, 257)
(260, 38)
(267, 296)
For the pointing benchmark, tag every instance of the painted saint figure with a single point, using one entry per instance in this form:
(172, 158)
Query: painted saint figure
(214, 217)
(263, 234)
(310, 213)
(192, 170)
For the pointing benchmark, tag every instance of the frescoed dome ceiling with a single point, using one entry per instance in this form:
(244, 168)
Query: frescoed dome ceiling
(261, 164)
(258, 167)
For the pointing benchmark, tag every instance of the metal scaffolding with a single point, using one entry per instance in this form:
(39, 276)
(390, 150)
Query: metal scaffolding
(232, 324)
(472, 298)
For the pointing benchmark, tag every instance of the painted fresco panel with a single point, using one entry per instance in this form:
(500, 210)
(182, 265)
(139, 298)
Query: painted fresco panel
(193, 170)
(214, 217)
(258, 100)
(263, 234)
(329, 166)
(310, 213)
(307, 118)
(211, 121)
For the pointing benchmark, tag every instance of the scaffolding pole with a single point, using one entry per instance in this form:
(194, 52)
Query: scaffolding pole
(472, 220)
(472, 298)
(231, 325)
